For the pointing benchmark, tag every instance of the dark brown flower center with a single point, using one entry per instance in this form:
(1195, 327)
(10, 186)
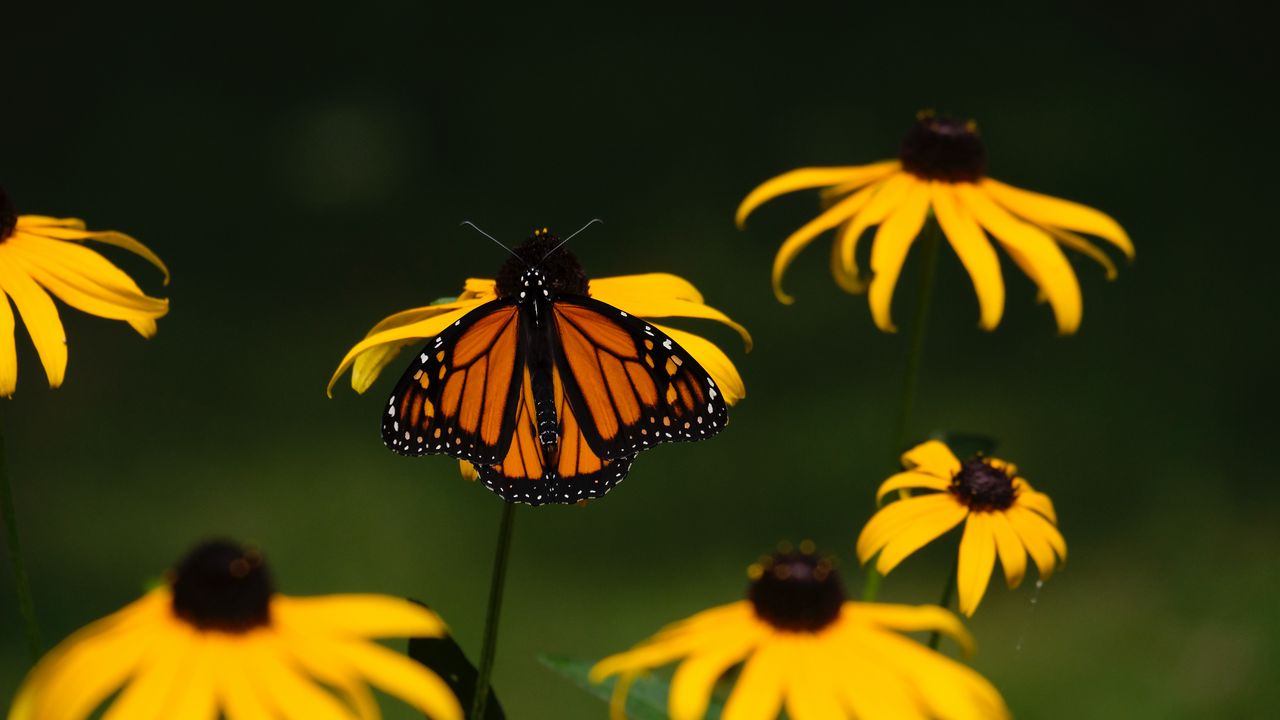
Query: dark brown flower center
(796, 591)
(982, 486)
(942, 148)
(8, 215)
(221, 585)
(560, 270)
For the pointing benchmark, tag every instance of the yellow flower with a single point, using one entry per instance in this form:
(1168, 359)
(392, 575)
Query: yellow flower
(942, 166)
(1000, 510)
(41, 255)
(217, 640)
(652, 295)
(808, 650)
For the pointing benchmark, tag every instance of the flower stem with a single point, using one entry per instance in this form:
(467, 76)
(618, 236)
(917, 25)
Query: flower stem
(948, 590)
(26, 606)
(915, 356)
(496, 584)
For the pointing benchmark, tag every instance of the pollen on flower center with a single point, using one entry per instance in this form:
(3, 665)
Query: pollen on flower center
(982, 486)
(796, 591)
(560, 267)
(942, 148)
(8, 215)
(223, 586)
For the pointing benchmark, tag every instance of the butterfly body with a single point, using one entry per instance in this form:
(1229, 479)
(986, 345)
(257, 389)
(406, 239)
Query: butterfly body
(548, 392)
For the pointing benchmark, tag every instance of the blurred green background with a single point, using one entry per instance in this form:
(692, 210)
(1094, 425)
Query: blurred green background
(304, 169)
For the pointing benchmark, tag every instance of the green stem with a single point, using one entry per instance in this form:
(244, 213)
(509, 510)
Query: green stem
(915, 357)
(947, 591)
(26, 606)
(496, 584)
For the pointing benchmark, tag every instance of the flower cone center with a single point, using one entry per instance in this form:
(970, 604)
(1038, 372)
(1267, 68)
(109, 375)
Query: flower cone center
(796, 591)
(982, 486)
(561, 270)
(223, 586)
(942, 148)
(8, 216)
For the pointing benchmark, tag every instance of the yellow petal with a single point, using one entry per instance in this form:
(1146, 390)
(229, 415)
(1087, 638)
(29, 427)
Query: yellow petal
(889, 250)
(372, 616)
(654, 305)
(923, 530)
(680, 639)
(894, 517)
(43, 221)
(885, 198)
(1048, 210)
(932, 457)
(1035, 500)
(828, 194)
(1080, 245)
(156, 677)
(873, 692)
(801, 238)
(289, 691)
(89, 671)
(813, 693)
(398, 336)
(468, 471)
(975, 253)
(913, 618)
(195, 696)
(108, 237)
(695, 678)
(1034, 251)
(910, 479)
(397, 675)
(761, 686)
(805, 178)
(1034, 531)
(8, 348)
(660, 284)
(40, 317)
(977, 559)
(618, 699)
(1013, 556)
(713, 360)
(238, 695)
(324, 659)
(848, 278)
(948, 689)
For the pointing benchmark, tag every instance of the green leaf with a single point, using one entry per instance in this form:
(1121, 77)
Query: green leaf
(647, 699)
(966, 445)
(445, 658)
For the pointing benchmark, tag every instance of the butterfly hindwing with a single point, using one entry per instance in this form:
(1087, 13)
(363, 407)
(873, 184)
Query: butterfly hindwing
(458, 396)
(632, 385)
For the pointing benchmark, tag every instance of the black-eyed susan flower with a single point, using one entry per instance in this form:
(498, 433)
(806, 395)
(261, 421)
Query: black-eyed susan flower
(40, 255)
(1002, 515)
(216, 640)
(942, 167)
(806, 649)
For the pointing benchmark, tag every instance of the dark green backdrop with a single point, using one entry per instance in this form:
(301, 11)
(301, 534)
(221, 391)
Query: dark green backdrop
(303, 170)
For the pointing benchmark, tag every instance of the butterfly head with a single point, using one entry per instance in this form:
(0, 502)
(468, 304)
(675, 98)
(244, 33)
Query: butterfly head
(540, 266)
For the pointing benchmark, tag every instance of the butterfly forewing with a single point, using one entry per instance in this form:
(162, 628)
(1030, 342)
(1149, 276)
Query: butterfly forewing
(458, 396)
(633, 385)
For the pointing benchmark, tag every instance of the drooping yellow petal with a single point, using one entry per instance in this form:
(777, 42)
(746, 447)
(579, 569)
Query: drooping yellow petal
(107, 237)
(760, 688)
(237, 692)
(650, 305)
(618, 699)
(370, 616)
(1033, 530)
(88, 672)
(8, 348)
(156, 677)
(812, 177)
(45, 221)
(399, 337)
(812, 690)
(947, 688)
(39, 316)
(872, 691)
(680, 639)
(886, 168)
(1034, 251)
(713, 360)
(848, 279)
(1048, 210)
(889, 251)
(892, 519)
(195, 694)
(1035, 500)
(695, 678)
(664, 285)
(919, 533)
(324, 659)
(975, 253)
(910, 479)
(911, 618)
(801, 238)
(977, 559)
(1013, 556)
(932, 457)
(289, 691)
(1080, 245)
(397, 675)
(883, 200)
(468, 471)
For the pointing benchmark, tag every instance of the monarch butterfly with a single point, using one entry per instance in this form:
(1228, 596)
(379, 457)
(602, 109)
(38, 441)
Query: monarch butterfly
(548, 392)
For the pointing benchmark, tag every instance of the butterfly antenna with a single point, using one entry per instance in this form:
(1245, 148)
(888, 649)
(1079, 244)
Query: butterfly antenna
(504, 247)
(590, 222)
